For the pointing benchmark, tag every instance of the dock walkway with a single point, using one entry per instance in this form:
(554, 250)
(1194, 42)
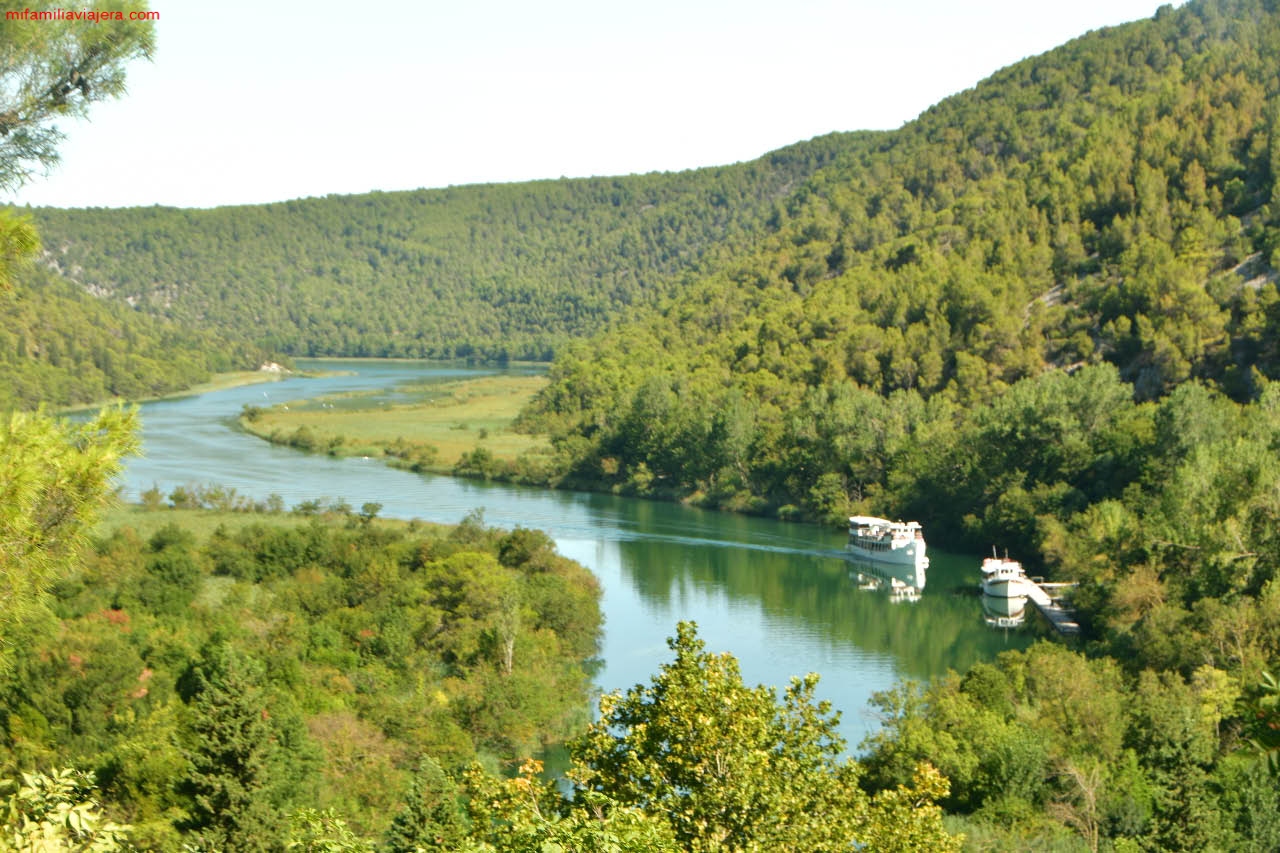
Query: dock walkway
(1062, 618)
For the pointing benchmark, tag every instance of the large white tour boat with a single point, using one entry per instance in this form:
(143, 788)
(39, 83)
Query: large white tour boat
(895, 543)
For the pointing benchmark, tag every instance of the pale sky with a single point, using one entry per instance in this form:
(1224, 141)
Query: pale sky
(264, 100)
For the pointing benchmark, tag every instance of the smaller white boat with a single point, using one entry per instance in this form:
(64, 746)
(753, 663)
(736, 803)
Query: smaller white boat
(1003, 578)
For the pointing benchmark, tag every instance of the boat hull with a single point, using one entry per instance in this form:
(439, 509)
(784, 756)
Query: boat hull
(1004, 588)
(1005, 607)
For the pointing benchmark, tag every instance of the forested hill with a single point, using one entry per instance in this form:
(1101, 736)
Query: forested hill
(61, 346)
(1114, 200)
(489, 270)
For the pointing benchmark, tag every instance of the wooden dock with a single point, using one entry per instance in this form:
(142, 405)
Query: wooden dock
(1050, 605)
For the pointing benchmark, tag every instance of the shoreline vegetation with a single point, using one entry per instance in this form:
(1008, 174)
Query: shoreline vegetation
(218, 382)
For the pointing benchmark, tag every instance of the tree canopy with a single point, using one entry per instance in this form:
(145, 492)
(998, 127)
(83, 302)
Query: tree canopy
(730, 767)
(55, 69)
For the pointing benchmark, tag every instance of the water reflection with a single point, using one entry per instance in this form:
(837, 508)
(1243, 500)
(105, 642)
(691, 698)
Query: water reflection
(1004, 611)
(817, 591)
(898, 580)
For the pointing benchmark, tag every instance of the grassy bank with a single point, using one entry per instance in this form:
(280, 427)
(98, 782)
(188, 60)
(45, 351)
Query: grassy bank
(442, 427)
(147, 520)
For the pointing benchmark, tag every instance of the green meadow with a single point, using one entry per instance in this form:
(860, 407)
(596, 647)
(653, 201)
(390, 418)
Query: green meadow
(425, 427)
(202, 522)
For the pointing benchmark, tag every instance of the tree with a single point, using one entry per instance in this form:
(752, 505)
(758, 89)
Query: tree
(312, 831)
(54, 477)
(1081, 808)
(55, 69)
(230, 756)
(730, 767)
(527, 815)
(48, 70)
(431, 819)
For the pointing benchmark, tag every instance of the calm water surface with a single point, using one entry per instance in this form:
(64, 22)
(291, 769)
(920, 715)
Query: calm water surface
(779, 596)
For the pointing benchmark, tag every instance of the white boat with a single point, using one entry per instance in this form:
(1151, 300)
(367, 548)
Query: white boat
(1003, 578)
(898, 545)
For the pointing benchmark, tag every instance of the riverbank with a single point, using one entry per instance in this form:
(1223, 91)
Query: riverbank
(776, 594)
(146, 520)
(219, 382)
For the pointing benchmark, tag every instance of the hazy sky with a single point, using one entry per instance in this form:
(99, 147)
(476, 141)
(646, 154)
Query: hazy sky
(276, 99)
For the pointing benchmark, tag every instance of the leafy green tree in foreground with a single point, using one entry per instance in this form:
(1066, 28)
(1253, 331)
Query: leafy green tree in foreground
(729, 767)
(55, 812)
(528, 815)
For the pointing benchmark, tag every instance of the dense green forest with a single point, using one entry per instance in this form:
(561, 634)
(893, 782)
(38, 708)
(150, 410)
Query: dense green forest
(1051, 750)
(343, 647)
(477, 271)
(61, 346)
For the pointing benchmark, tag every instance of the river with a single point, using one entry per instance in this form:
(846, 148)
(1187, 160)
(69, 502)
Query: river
(780, 596)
